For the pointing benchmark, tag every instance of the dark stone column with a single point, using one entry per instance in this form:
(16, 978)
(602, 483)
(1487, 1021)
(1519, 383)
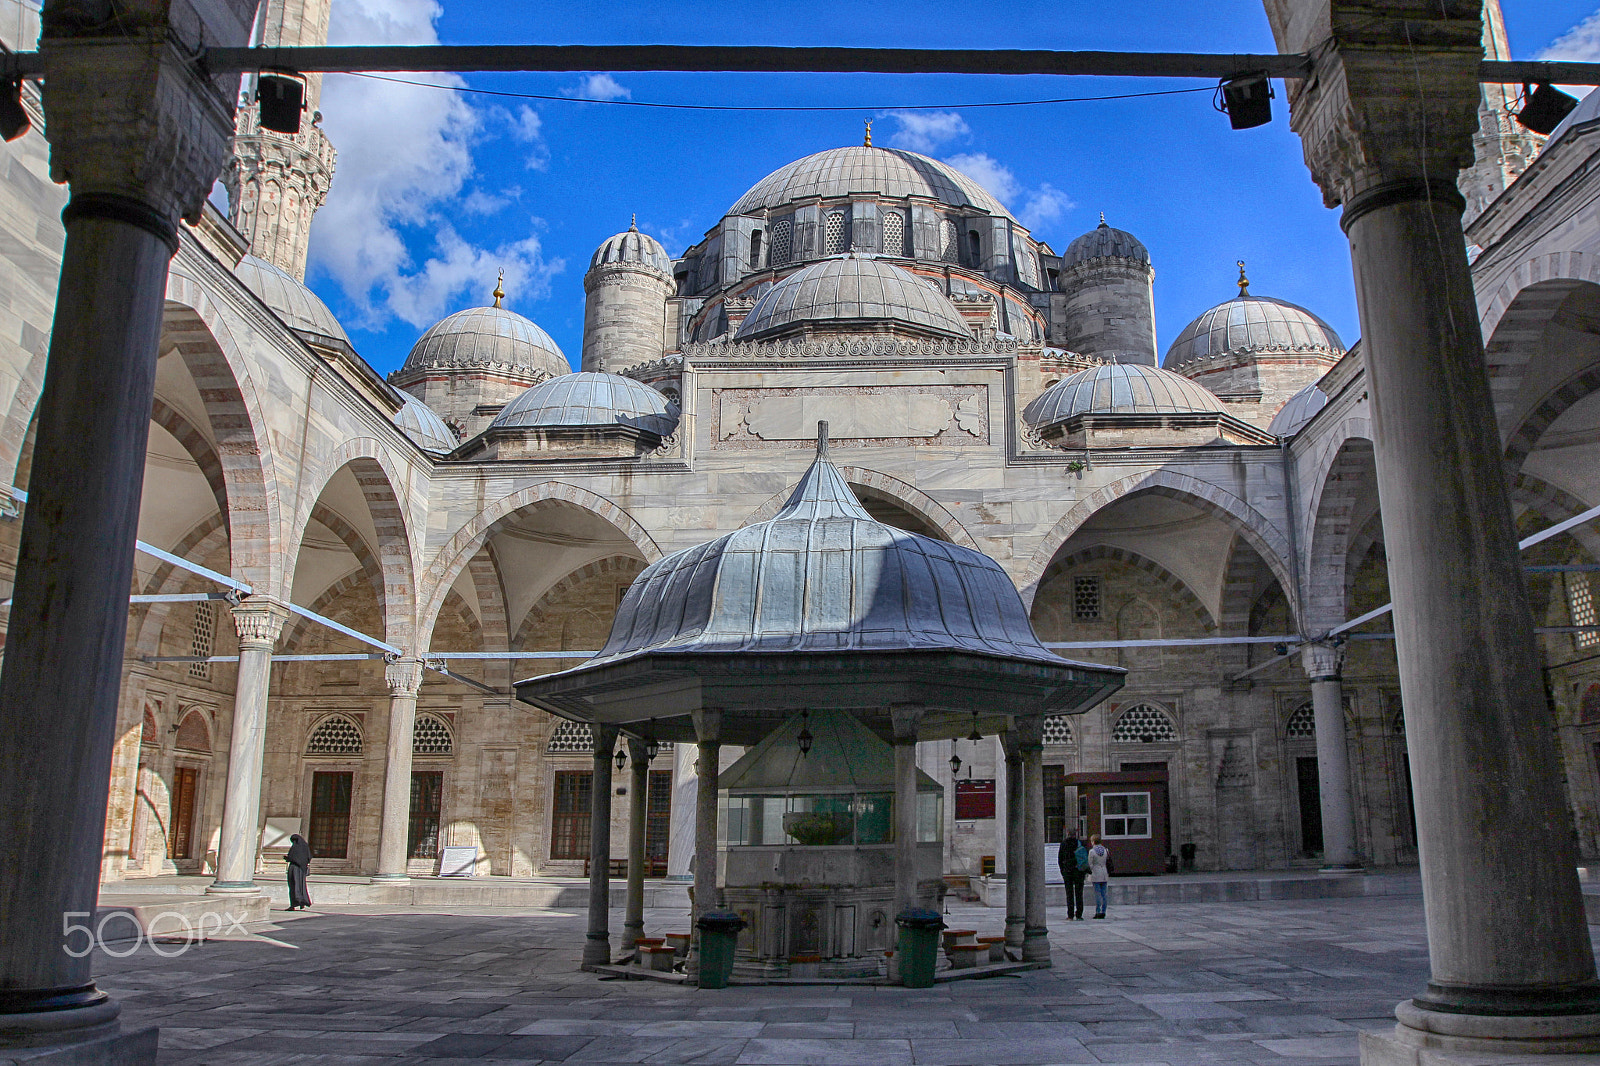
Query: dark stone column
(638, 814)
(1035, 935)
(905, 719)
(1016, 841)
(597, 944)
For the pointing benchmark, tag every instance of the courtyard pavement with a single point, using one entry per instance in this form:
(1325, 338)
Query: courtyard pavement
(1257, 982)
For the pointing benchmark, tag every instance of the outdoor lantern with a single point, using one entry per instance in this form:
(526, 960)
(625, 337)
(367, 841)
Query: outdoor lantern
(955, 764)
(1543, 107)
(621, 760)
(804, 738)
(1248, 101)
(974, 735)
(652, 748)
(13, 119)
(282, 96)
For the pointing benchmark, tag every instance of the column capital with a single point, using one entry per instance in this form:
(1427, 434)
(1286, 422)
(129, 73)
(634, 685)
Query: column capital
(259, 622)
(906, 717)
(1320, 662)
(1029, 733)
(403, 676)
(707, 725)
(136, 126)
(1391, 106)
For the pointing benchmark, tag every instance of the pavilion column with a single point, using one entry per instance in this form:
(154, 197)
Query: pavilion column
(259, 622)
(1333, 758)
(638, 813)
(708, 736)
(680, 827)
(1035, 934)
(1016, 842)
(142, 136)
(597, 944)
(1497, 852)
(404, 677)
(906, 718)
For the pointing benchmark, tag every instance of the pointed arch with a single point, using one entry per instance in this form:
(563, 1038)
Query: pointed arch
(192, 441)
(1349, 477)
(613, 564)
(1514, 319)
(1166, 578)
(198, 544)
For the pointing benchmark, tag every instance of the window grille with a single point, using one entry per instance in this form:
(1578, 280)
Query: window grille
(1580, 603)
(571, 738)
(569, 821)
(834, 233)
(1085, 599)
(948, 249)
(1057, 730)
(431, 736)
(781, 235)
(894, 234)
(336, 734)
(1144, 724)
(1302, 724)
(203, 641)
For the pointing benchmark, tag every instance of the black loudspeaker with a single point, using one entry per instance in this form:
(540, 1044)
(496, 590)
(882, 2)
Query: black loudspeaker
(282, 97)
(1544, 107)
(1248, 101)
(13, 117)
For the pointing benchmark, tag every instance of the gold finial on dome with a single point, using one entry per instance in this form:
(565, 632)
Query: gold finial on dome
(499, 286)
(1244, 282)
(633, 222)
(868, 142)
(1102, 218)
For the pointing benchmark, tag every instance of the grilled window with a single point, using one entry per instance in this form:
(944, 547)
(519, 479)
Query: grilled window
(834, 233)
(1057, 730)
(1144, 724)
(569, 823)
(1302, 724)
(1580, 602)
(782, 233)
(1086, 599)
(431, 736)
(894, 234)
(571, 738)
(949, 251)
(203, 641)
(336, 734)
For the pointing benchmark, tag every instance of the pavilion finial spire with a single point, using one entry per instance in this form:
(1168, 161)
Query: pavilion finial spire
(1244, 282)
(867, 142)
(499, 288)
(633, 222)
(822, 440)
(1102, 218)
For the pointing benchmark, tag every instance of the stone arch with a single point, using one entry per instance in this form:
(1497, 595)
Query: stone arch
(199, 449)
(1515, 317)
(1347, 477)
(493, 615)
(336, 733)
(1241, 588)
(1555, 505)
(1550, 407)
(194, 325)
(193, 734)
(199, 543)
(1245, 520)
(1157, 720)
(299, 628)
(612, 564)
(1166, 578)
(448, 561)
(931, 512)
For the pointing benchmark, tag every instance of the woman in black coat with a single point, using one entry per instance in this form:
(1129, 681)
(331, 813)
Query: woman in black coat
(299, 860)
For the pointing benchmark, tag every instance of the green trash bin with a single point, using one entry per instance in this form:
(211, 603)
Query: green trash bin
(719, 936)
(919, 946)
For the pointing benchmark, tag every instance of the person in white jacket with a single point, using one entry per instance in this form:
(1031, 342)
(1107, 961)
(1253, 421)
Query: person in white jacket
(1099, 873)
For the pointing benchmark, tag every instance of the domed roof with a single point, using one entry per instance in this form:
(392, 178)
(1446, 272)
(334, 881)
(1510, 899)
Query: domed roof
(299, 308)
(1252, 324)
(631, 246)
(1105, 242)
(889, 172)
(487, 337)
(853, 289)
(823, 575)
(419, 422)
(1297, 411)
(590, 399)
(1122, 389)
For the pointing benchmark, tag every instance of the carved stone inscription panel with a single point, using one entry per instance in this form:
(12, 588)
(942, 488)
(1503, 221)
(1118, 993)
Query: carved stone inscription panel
(857, 416)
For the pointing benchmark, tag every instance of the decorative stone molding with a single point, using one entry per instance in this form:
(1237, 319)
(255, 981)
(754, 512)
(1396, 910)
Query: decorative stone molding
(853, 348)
(275, 184)
(655, 369)
(133, 116)
(259, 621)
(1320, 661)
(403, 676)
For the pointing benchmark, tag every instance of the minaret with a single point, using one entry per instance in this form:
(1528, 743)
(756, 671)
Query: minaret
(624, 319)
(1109, 310)
(276, 181)
(1502, 148)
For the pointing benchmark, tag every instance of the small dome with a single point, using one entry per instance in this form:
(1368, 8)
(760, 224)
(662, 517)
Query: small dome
(299, 308)
(1120, 389)
(1297, 411)
(631, 246)
(590, 399)
(1247, 324)
(1105, 242)
(484, 338)
(426, 429)
(890, 172)
(853, 289)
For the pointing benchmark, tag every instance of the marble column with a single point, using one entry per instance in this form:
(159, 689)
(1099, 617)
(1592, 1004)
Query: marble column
(1512, 964)
(708, 732)
(680, 826)
(1333, 758)
(142, 135)
(597, 945)
(906, 718)
(1035, 934)
(1016, 842)
(259, 622)
(404, 678)
(638, 815)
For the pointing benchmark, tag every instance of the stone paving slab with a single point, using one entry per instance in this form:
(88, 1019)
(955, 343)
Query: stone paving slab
(1244, 983)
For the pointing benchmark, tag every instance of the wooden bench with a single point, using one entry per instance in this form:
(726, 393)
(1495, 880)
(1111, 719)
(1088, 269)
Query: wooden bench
(965, 956)
(643, 942)
(953, 937)
(996, 946)
(678, 942)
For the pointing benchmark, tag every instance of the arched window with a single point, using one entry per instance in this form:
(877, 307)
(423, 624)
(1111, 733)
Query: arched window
(336, 734)
(671, 394)
(571, 738)
(1144, 723)
(1580, 604)
(1302, 724)
(149, 732)
(193, 734)
(1057, 730)
(203, 640)
(948, 250)
(833, 234)
(894, 234)
(431, 736)
(755, 249)
(782, 233)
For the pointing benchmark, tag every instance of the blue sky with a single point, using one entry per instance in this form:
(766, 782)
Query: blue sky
(437, 189)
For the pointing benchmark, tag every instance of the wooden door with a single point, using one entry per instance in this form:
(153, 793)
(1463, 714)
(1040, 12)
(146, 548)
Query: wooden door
(185, 781)
(330, 814)
(422, 837)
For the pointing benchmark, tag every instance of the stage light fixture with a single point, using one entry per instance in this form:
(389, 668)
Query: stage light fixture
(282, 97)
(1247, 99)
(1543, 107)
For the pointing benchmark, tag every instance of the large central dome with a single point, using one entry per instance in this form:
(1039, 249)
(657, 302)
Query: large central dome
(889, 172)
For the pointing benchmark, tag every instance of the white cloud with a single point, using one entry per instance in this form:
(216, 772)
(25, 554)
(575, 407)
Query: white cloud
(601, 87)
(1579, 44)
(527, 127)
(404, 152)
(987, 171)
(1043, 206)
(926, 131)
(480, 202)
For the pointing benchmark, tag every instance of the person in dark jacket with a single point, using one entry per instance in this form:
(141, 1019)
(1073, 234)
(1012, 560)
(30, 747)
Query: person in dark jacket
(299, 860)
(1072, 874)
